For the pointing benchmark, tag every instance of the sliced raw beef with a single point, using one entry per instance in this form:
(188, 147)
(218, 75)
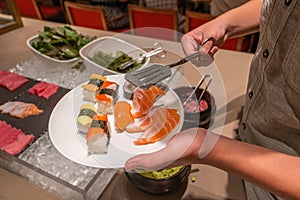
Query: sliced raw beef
(43, 89)
(19, 144)
(11, 80)
(13, 140)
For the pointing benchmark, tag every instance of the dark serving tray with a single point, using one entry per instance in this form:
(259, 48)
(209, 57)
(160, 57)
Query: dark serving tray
(36, 124)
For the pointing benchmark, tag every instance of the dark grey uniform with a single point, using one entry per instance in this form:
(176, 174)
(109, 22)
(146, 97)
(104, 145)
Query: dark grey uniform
(272, 111)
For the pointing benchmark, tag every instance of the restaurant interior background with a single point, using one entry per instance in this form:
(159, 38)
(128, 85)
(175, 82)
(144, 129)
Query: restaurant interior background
(22, 19)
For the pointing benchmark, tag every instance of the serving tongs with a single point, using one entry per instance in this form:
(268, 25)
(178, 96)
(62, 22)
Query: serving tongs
(209, 79)
(157, 72)
(154, 52)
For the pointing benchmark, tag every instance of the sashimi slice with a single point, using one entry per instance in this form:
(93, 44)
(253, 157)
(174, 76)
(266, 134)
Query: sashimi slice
(11, 80)
(20, 109)
(19, 144)
(50, 90)
(143, 100)
(9, 137)
(43, 89)
(9, 106)
(142, 124)
(25, 111)
(122, 114)
(3, 125)
(159, 130)
(37, 88)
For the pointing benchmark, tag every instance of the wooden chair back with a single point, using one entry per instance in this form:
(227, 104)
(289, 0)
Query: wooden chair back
(29, 8)
(85, 15)
(142, 17)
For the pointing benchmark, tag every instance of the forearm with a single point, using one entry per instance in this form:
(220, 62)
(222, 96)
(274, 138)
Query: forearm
(276, 172)
(242, 20)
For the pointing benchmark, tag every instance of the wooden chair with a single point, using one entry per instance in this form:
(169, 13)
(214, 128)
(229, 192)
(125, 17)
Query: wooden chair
(36, 9)
(195, 19)
(85, 15)
(142, 17)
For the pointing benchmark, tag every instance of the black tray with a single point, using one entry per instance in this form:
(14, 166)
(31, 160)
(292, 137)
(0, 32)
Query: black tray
(36, 124)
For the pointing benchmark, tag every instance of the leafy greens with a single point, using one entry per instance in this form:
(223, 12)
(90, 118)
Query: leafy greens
(61, 43)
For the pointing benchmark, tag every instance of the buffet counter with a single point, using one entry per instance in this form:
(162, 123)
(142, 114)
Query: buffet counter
(20, 180)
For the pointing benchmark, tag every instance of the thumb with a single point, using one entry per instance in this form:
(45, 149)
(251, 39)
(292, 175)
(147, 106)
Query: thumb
(152, 161)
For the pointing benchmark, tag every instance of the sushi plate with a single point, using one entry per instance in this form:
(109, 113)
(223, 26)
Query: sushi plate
(72, 144)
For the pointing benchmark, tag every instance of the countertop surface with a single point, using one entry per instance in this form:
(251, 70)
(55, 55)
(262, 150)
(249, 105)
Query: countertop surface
(233, 68)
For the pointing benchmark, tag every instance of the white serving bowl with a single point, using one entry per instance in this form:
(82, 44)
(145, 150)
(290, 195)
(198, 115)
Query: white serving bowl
(49, 59)
(108, 45)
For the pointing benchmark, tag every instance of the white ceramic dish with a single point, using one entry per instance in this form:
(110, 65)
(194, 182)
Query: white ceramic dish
(35, 38)
(108, 45)
(72, 144)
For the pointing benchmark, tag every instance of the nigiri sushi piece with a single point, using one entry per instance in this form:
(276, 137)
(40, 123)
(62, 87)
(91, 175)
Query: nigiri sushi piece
(92, 87)
(122, 114)
(98, 135)
(160, 128)
(85, 117)
(107, 97)
(143, 100)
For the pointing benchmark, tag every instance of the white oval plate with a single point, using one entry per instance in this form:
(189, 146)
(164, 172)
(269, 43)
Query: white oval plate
(65, 137)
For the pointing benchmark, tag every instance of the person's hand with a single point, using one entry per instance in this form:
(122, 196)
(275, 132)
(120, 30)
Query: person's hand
(182, 149)
(215, 28)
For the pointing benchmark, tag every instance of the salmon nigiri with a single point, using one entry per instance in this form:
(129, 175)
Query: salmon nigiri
(160, 126)
(107, 97)
(98, 136)
(143, 100)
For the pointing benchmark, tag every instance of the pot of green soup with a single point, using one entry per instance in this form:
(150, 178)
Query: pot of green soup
(160, 181)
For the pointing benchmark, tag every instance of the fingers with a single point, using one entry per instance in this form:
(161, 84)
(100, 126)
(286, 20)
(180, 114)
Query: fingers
(178, 151)
(189, 44)
(152, 161)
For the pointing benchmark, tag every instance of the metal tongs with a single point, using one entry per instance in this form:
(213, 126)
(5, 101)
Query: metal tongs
(154, 52)
(156, 72)
(206, 76)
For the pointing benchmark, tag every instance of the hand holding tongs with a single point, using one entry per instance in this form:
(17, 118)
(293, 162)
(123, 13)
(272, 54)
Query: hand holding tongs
(157, 72)
(155, 51)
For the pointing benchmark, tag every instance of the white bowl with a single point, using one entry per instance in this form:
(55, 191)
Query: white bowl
(35, 38)
(108, 45)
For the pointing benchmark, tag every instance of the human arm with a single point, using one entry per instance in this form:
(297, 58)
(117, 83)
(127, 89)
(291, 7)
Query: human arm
(236, 22)
(276, 172)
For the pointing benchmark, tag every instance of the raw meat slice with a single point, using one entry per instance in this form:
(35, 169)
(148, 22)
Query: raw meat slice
(11, 80)
(19, 144)
(43, 89)
(20, 109)
(9, 137)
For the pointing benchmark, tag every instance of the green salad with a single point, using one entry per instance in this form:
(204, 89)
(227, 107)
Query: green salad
(159, 174)
(113, 62)
(62, 43)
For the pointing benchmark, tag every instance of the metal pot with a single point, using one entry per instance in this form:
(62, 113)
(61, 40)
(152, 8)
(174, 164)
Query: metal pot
(160, 185)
